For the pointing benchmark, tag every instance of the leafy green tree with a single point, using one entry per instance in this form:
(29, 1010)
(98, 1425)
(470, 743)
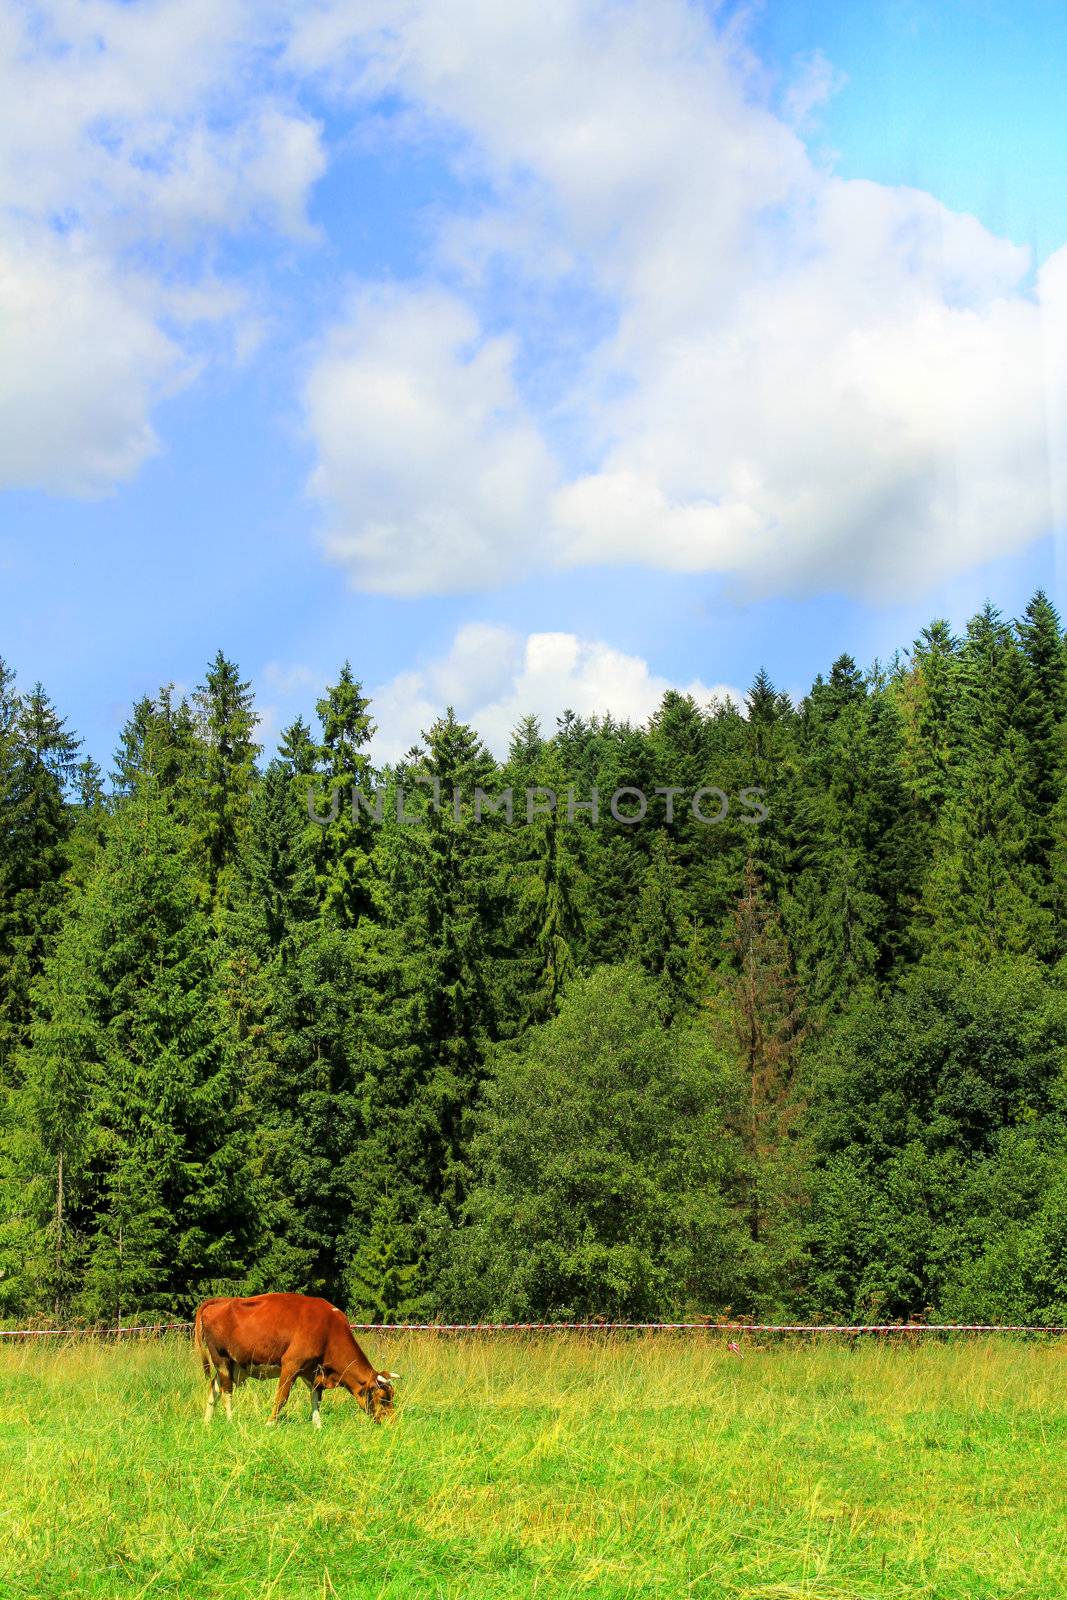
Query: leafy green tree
(910, 1093)
(607, 1174)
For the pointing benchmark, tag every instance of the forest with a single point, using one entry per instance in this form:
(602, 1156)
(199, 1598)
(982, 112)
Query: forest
(807, 1062)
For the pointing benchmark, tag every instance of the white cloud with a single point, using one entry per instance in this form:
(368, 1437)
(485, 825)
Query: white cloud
(128, 134)
(670, 337)
(433, 476)
(493, 676)
(82, 362)
(809, 383)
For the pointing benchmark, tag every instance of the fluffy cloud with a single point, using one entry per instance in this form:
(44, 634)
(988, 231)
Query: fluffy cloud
(82, 362)
(493, 676)
(133, 135)
(432, 474)
(655, 330)
(808, 383)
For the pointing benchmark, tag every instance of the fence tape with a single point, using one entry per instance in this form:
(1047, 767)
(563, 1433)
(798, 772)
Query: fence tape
(580, 1327)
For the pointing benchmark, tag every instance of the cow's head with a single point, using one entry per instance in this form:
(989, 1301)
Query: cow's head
(376, 1397)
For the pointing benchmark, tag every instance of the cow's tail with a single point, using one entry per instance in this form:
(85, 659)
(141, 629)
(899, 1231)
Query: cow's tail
(198, 1340)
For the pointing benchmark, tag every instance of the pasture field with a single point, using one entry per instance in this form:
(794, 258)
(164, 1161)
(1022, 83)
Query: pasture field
(554, 1466)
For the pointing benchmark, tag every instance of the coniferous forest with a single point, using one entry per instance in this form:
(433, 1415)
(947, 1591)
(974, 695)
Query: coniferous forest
(812, 1065)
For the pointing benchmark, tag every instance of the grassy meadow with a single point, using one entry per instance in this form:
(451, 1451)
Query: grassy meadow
(653, 1466)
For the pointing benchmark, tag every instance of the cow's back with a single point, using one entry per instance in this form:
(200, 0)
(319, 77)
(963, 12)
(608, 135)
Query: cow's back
(262, 1330)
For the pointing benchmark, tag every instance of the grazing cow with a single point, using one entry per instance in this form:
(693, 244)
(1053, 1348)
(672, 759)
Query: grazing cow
(287, 1336)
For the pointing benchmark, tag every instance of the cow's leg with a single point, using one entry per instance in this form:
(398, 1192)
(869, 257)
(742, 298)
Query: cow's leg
(290, 1373)
(316, 1396)
(212, 1396)
(226, 1381)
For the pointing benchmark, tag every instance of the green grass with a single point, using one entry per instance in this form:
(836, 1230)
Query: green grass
(555, 1467)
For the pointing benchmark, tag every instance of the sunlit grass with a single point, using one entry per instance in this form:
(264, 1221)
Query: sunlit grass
(550, 1467)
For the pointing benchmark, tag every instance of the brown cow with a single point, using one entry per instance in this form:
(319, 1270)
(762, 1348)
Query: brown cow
(287, 1336)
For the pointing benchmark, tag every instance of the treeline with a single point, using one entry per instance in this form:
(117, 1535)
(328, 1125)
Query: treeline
(809, 1065)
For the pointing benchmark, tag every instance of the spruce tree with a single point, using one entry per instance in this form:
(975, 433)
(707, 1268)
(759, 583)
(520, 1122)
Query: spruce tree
(663, 939)
(226, 766)
(541, 861)
(984, 895)
(344, 853)
(453, 922)
(1042, 719)
(163, 1206)
(37, 761)
(927, 695)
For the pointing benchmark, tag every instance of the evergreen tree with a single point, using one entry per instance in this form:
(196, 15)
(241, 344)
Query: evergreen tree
(452, 924)
(37, 760)
(928, 696)
(383, 1282)
(226, 766)
(129, 1022)
(984, 894)
(663, 939)
(1042, 711)
(1042, 719)
(158, 744)
(542, 862)
(345, 885)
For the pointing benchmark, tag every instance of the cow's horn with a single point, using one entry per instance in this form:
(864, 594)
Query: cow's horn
(390, 1377)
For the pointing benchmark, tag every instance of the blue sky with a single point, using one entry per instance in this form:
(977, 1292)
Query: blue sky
(525, 359)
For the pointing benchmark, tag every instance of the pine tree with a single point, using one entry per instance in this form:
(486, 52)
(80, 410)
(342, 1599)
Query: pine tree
(275, 888)
(158, 743)
(55, 1111)
(928, 696)
(682, 743)
(384, 1279)
(541, 860)
(1041, 718)
(452, 925)
(851, 897)
(162, 1198)
(226, 767)
(663, 939)
(984, 896)
(89, 818)
(37, 760)
(344, 854)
